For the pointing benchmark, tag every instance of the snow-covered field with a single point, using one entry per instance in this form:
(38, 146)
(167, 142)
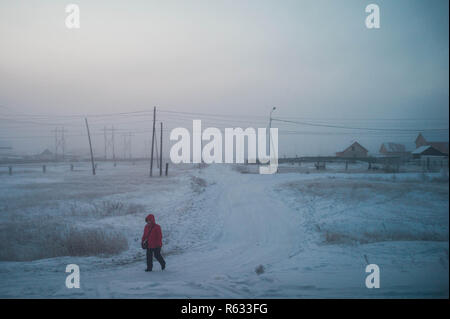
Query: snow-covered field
(311, 234)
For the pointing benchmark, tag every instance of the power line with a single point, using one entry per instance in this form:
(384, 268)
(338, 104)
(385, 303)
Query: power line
(360, 128)
(217, 117)
(149, 112)
(218, 120)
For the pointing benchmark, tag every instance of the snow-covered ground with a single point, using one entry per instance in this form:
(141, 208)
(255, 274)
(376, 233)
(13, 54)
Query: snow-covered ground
(312, 232)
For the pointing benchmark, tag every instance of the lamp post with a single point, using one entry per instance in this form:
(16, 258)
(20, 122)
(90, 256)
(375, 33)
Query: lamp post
(270, 126)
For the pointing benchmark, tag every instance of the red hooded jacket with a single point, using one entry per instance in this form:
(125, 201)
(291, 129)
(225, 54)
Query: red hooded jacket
(152, 232)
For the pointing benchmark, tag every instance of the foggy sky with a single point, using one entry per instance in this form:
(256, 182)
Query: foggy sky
(314, 60)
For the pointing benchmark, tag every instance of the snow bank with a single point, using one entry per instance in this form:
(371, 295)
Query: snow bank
(227, 232)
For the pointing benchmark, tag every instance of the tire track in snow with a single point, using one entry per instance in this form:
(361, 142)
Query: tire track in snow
(255, 226)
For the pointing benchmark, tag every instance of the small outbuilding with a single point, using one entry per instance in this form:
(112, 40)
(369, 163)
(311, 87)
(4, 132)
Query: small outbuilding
(426, 150)
(440, 145)
(393, 149)
(45, 155)
(355, 150)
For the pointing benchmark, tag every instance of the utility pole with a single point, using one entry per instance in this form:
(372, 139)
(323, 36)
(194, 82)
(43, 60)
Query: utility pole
(109, 142)
(56, 143)
(160, 152)
(60, 141)
(127, 145)
(114, 152)
(90, 146)
(156, 149)
(153, 142)
(270, 126)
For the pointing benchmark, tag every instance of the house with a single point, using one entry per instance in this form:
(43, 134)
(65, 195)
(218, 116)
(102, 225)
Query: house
(393, 149)
(355, 150)
(45, 155)
(441, 146)
(426, 150)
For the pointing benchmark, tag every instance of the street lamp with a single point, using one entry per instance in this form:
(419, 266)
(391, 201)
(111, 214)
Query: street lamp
(270, 126)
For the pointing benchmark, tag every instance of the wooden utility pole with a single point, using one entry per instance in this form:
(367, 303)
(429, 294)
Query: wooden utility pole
(153, 142)
(90, 146)
(156, 149)
(160, 153)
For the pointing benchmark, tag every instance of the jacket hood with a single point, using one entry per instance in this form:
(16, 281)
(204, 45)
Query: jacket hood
(150, 218)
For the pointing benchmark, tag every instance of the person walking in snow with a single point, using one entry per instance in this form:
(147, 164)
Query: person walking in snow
(152, 242)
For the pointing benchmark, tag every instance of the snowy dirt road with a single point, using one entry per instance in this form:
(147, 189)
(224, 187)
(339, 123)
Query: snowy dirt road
(231, 223)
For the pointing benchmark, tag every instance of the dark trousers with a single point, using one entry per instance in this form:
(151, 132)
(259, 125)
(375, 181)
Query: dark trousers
(159, 258)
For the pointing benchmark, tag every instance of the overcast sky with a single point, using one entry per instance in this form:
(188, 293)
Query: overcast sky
(314, 60)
